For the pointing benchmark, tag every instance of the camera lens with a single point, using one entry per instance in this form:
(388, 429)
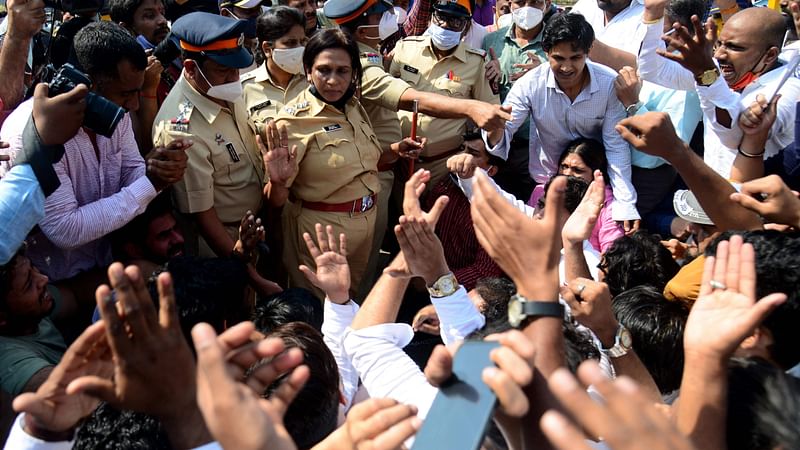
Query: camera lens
(102, 115)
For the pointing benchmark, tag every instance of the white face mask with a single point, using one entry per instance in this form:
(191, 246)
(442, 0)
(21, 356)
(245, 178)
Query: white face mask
(388, 25)
(443, 39)
(289, 59)
(229, 92)
(505, 21)
(527, 17)
(401, 15)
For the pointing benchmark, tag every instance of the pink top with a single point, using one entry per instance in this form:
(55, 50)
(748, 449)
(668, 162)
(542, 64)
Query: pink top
(96, 197)
(605, 231)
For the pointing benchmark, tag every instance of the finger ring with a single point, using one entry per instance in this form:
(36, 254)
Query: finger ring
(581, 287)
(717, 285)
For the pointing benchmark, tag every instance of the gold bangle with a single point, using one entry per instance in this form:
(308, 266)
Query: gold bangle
(651, 22)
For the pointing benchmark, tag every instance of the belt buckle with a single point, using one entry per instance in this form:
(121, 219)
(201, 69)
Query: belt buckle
(366, 203)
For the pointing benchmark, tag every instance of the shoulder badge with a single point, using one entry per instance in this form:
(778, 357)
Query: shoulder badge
(181, 121)
(372, 58)
(248, 76)
(408, 68)
(478, 51)
(298, 107)
(260, 106)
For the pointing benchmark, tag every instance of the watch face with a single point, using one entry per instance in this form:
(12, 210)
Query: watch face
(514, 312)
(446, 285)
(625, 338)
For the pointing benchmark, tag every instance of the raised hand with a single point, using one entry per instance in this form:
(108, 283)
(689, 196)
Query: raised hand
(626, 420)
(580, 224)
(590, 305)
(770, 198)
(409, 148)
(50, 408)
(726, 311)
(421, 248)
(694, 52)
(759, 116)
(166, 165)
(488, 116)
(414, 188)
(25, 18)
(333, 272)
(375, 424)
(279, 162)
(58, 118)
(652, 133)
(523, 69)
(251, 232)
(229, 391)
(628, 85)
(152, 75)
(426, 320)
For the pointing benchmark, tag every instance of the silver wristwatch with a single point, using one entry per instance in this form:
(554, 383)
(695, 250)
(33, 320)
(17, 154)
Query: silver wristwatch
(520, 308)
(445, 286)
(623, 342)
(631, 109)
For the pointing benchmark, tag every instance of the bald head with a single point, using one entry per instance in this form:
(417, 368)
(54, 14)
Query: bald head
(765, 23)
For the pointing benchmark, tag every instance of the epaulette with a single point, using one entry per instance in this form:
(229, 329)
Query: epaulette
(181, 121)
(477, 51)
(297, 108)
(372, 58)
(248, 76)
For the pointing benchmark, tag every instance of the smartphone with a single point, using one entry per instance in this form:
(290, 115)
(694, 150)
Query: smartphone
(461, 411)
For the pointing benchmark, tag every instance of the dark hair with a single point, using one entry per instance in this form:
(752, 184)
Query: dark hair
(777, 270)
(7, 272)
(277, 22)
(637, 260)
(656, 326)
(495, 292)
(572, 28)
(107, 428)
(578, 346)
(763, 407)
(123, 11)
(681, 11)
(135, 232)
(291, 305)
(592, 152)
(206, 290)
(332, 38)
(492, 159)
(576, 189)
(314, 413)
(101, 46)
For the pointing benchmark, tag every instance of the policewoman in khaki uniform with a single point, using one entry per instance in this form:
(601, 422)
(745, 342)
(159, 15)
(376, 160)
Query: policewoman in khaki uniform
(225, 173)
(335, 182)
(282, 37)
(439, 62)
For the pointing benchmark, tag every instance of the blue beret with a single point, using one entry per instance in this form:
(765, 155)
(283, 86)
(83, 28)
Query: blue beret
(217, 37)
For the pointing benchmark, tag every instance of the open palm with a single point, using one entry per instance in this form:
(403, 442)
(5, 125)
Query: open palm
(333, 272)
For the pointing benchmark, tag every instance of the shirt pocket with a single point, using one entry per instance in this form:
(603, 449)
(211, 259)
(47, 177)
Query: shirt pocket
(332, 149)
(410, 77)
(452, 88)
(225, 157)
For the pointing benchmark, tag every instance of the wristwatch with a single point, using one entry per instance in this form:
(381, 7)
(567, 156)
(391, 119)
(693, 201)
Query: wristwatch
(708, 77)
(445, 286)
(631, 109)
(520, 308)
(623, 342)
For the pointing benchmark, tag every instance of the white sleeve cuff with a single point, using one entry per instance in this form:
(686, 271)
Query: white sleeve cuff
(458, 316)
(210, 446)
(720, 95)
(502, 148)
(19, 439)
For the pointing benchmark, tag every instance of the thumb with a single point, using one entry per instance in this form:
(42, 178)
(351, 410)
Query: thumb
(312, 277)
(77, 94)
(747, 202)
(29, 403)
(438, 208)
(628, 136)
(506, 108)
(41, 91)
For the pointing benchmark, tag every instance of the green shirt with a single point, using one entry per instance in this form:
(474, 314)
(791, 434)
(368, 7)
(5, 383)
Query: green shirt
(509, 53)
(22, 356)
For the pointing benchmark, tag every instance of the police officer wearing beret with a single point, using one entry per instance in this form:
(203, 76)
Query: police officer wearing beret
(225, 173)
(441, 63)
(384, 95)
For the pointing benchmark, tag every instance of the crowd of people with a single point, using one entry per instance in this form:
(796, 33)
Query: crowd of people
(248, 224)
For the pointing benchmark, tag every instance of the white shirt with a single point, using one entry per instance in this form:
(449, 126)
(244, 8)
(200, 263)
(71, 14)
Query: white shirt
(721, 143)
(624, 31)
(458, 316)
(335, 321)
(556, 121)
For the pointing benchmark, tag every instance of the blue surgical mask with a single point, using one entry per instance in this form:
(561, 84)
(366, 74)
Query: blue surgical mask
(443, 39)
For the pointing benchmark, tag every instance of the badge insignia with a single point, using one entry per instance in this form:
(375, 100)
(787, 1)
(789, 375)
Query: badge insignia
(408, 68)
(260, 106)
(219, 139)
(332, 128)
(232, 152)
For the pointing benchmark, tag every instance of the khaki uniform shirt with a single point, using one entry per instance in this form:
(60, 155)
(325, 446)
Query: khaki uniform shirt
(263, 98)
(380, 96)
(337, 154)
(462, 75)
(225, 169)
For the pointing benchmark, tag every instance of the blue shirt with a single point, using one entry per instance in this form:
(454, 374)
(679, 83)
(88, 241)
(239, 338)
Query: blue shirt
(21, 208)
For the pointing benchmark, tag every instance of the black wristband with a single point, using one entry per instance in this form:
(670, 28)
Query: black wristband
(41, 158)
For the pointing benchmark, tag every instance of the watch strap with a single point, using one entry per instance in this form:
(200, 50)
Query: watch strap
(542, 309)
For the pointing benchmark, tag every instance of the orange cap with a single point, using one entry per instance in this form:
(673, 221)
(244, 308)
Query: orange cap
(453, 6)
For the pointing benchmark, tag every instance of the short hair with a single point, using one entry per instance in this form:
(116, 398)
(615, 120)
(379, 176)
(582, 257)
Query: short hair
(572, 28)
(291, 305)
(636, 260)
(277, 22)
(576, 189)
(135, 231)
(591, 151)
(777, 270)
(476, 135)
(101, 46)
(496, 293)
(681, 11)
(578, 346)
(108, 427)
(332, 38)
(7, 272)
(314, 412)
(206, 290)
(656, 326)
(123, 11)
(763, 406)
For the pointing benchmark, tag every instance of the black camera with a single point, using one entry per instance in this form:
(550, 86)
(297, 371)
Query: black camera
(75, 6)
(102, 115)
(167, 50)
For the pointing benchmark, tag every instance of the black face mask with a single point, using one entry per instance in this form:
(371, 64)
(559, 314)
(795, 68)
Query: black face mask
(338, 104)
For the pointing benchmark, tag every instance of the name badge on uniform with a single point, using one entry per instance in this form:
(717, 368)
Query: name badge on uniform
(408, 68)
(260, 106)
(232, 152)
(332, 128)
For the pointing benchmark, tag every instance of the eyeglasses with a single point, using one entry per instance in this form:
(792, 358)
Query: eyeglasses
(453, 23)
